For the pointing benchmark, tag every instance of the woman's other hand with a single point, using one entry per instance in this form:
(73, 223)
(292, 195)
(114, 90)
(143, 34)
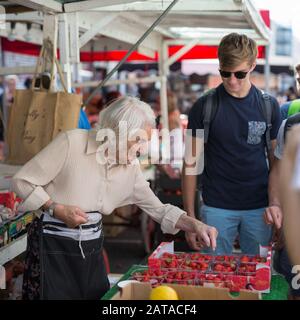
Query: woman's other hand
(72, 216)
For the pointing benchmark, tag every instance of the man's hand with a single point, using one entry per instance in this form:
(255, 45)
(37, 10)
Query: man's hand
(72, 216)
(273, 215)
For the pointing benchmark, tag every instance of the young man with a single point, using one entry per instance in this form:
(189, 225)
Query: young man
(291, 107)
(235, 177)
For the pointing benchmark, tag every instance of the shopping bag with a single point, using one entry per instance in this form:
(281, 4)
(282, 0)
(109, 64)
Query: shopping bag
(38, 115)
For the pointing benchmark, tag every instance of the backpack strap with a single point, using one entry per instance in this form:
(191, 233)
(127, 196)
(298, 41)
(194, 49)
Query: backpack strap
(210, 106)
(267, 110)
(209, 111)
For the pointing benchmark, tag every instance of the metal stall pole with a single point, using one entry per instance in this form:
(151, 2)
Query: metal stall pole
(74, 46)
(164, 63)
(64, 41)
(267, 68)
(116, 82)
(163, 72)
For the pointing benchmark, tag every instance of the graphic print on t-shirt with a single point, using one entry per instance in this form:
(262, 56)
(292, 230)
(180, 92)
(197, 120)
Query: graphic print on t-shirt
(255, 131)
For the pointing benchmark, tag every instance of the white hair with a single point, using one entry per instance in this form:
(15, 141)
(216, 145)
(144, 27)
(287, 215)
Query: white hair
(11, 77)
(134, 112)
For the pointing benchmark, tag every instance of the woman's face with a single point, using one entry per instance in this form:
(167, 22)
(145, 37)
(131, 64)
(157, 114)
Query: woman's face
(119, 152)
(139, 145)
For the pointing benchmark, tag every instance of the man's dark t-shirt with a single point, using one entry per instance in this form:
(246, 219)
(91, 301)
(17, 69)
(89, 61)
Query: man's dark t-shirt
(236, 170)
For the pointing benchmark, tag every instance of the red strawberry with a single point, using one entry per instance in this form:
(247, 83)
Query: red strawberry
(194, 256)
(178, 276)
(167, 261)
(242, 269)
(204, 266)
(245, 259)
(233, 266)
(234, 288)
(259, 259)
(251, 268)
(219, 258)
(202, 276)
(218, 267)
(185, 275)
(146, 279)
(159, 273)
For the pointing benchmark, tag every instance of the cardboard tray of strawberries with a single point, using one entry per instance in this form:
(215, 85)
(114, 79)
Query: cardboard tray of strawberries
(230, 271)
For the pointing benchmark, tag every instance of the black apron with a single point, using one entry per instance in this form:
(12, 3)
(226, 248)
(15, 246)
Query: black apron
(56, 269)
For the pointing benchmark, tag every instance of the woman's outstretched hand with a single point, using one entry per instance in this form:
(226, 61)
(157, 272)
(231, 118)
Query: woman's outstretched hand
(198, 234)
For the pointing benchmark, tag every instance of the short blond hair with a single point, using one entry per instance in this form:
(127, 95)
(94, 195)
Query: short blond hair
(235, 49)
(298, 68)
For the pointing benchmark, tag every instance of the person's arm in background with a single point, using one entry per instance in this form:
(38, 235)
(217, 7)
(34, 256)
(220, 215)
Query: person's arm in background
(28, 183)
(290, 193)
(189, 185)
(273, 213)
(284, 109)
(192, 165)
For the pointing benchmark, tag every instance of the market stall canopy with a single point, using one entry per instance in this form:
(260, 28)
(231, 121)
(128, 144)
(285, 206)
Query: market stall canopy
(207, 21)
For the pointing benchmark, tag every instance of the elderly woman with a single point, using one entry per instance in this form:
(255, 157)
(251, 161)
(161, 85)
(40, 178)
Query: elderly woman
(72, 187)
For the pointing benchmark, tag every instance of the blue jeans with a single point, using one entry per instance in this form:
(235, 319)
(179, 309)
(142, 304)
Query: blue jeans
(248, 224)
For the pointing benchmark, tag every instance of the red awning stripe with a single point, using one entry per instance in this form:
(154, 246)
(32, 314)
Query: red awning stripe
(198, 52)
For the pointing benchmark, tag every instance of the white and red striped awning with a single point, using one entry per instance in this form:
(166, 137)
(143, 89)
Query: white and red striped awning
(197, 52)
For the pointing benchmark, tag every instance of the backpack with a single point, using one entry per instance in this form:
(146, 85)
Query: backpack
(211, 105)
(290, 121)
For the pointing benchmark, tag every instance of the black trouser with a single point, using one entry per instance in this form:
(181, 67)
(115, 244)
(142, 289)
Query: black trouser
(64, 273)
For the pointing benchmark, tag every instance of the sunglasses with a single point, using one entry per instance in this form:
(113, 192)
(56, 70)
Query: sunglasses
(237, 74)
